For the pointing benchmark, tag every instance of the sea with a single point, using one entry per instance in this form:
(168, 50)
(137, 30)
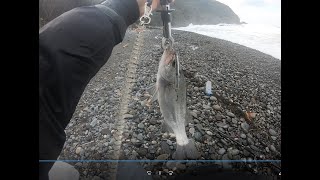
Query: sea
(262, 37)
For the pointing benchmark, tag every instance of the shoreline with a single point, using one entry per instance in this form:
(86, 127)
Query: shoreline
(239, 35)
(239, 74)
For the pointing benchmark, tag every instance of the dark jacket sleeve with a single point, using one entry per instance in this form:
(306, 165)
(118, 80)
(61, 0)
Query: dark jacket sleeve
(72, 49)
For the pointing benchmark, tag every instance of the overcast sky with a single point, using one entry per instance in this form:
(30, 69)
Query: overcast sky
(256, 11)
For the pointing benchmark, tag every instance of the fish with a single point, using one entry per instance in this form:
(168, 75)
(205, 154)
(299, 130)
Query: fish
(170, 91)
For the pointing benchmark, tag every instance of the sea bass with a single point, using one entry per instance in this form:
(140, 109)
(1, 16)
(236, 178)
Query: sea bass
(170, 90)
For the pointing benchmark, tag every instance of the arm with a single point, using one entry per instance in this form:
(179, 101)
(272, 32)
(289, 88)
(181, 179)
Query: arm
(72, 49)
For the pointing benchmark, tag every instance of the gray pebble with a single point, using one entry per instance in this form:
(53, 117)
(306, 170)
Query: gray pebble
(79, 150)
(165, 148)
(223, 141)
(258, 136)
(142, 151)
(153, 122)
(169, 142)
(230, 114)
(250, 141)
(100, 145)
(194, 114)
(246, 153)
(200, 128)
(213, 157)
(272, 132)
(141, 125)
(105, 131)
(234, 152)
(104, 125)
(272, 148)
(217, 107)
(218, 117)
(234, 121)
(219, 144)
(197, 112)
(126, 151)
(267, 149)
(127, 116)
(209, 133)
(93, 122)
(221, 151)
(191, 131)
(221, 129)
(206, 107)
(143, 103)
(245, 126)
(198, 136)
(163, 157)
(213, 98)
(140, 137)
(136, 120)
(211, 150)
(253, 147)
(243, 136)
(221, 124)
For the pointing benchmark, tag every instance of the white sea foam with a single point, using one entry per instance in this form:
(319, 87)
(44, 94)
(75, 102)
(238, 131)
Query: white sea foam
(264, 38)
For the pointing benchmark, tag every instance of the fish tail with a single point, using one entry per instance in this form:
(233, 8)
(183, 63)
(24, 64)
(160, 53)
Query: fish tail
(187, 151)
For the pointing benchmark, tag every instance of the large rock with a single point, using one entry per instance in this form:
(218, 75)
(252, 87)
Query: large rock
(198, 12)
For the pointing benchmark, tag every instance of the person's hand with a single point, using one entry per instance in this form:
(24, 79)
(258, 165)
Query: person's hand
(155, 5)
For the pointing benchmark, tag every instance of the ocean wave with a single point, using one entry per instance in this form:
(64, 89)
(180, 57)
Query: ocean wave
(262, 37)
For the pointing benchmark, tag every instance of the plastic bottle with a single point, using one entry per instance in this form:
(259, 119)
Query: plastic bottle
(208, 89)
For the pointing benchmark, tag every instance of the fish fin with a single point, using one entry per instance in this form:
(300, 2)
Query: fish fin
(188, 151)
(153, 91)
